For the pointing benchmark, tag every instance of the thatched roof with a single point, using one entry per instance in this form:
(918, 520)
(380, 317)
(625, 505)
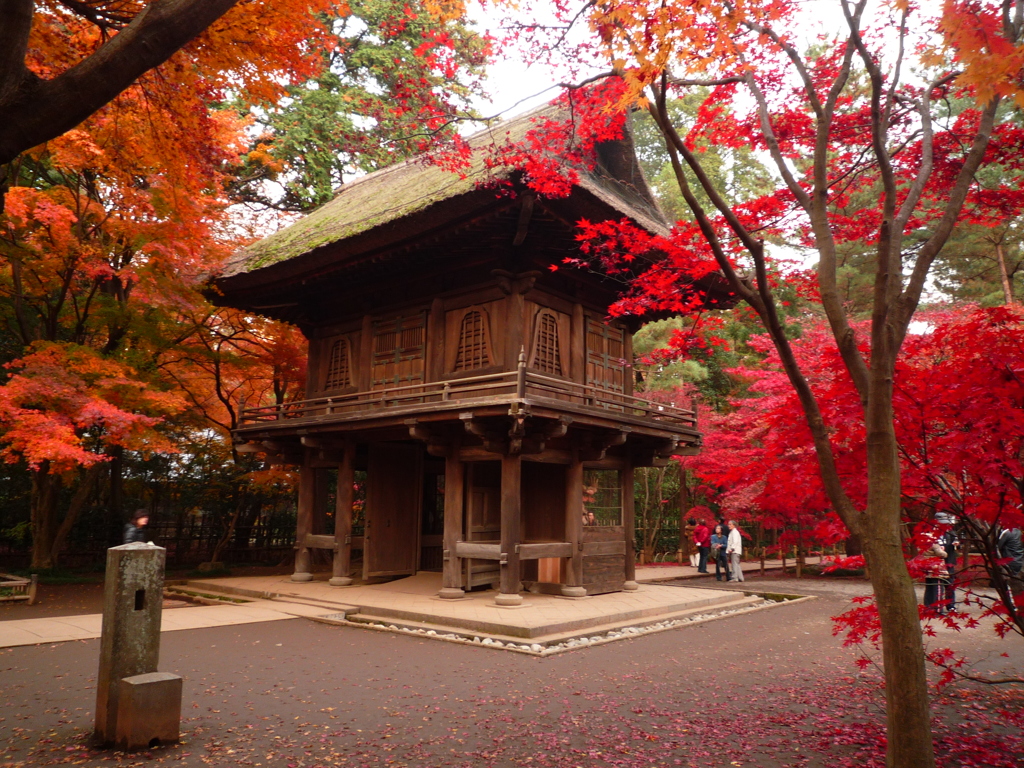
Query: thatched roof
(412, 187)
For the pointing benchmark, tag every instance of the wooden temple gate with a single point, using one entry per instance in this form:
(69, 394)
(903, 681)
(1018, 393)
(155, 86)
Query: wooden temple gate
(487, 396)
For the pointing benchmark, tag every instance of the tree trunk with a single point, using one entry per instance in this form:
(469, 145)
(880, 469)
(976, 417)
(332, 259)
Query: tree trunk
(83, 495)
(1003, 276)
(116, 516)
(45, 498)
(685, 502)
(230, 532)
(908, 708)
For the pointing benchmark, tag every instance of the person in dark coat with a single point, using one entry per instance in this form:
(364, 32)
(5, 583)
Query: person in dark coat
(718, 542)
(136, 529)
(1011, 549)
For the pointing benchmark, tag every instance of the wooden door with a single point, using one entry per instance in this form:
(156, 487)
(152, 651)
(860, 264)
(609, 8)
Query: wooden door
(394, 494)
(399, 348)
(606, 351)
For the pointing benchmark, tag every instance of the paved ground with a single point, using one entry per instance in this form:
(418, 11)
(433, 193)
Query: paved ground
(770, 689)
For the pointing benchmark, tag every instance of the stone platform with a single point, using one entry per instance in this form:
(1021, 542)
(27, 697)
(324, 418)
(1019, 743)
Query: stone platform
(541, 619)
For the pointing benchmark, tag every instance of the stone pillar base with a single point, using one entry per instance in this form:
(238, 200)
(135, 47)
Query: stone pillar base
(573, 591)
(338, 581)
(451, 593)
(631, 586)
(297, 576)
(505, 599)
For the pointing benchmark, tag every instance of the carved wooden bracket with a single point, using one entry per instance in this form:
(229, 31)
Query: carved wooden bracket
(512, 283)
(493, 441)
(596, 448)
(437, 445)
(537, 439)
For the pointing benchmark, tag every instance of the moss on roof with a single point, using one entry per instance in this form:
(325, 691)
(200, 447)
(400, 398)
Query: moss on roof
(415, 184)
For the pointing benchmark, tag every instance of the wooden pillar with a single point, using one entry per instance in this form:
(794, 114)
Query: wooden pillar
(363, 372)
(345, 495)
(628, 372)
(577, 343)
(573, 586)
(304, 520)
(319, 525)
(511, 508)
(435, 341)
(515, 319)
(454, 505)
(629, 524)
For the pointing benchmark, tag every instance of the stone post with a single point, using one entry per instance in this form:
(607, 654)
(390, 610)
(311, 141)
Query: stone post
(130, 640)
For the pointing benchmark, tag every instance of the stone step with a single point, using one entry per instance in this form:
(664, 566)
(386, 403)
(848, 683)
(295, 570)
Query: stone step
(223, 590)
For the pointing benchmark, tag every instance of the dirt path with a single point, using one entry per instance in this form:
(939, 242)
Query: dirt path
(770, 689)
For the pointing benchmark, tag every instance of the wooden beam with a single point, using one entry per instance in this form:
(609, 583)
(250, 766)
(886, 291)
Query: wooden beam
(319, 541)
(478, 453)
(545, 549)
(345, 500)
(454, 506)
(525, 214)
(511, 514)
(549, 456)
(478, 550)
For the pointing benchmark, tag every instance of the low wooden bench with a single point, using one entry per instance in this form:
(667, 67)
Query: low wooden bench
(17, 588)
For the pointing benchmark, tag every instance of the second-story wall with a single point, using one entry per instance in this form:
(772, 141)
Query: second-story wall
(473, 332)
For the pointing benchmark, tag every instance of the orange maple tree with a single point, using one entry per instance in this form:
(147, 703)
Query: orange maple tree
(109, 229)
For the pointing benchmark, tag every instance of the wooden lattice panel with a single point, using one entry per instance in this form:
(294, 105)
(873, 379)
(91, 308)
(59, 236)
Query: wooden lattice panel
(546, 354)
(474, 350)
(338, 371)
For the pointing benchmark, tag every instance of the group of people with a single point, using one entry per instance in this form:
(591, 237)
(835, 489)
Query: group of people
(940, 576)
(725, 549)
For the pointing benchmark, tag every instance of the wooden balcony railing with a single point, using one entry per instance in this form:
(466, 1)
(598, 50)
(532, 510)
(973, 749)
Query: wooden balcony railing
(509, 387)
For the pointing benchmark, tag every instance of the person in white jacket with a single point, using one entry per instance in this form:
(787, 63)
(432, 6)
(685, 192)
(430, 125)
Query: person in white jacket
(734, 549)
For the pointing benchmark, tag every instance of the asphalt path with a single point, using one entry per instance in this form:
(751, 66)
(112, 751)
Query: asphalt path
(771, 688)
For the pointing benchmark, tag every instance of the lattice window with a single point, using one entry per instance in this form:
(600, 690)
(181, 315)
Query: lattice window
(474, 350)
(602, 497)
(338, 374)
(547, 355)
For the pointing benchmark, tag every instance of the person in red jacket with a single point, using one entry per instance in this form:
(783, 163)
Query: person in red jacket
(702, 538)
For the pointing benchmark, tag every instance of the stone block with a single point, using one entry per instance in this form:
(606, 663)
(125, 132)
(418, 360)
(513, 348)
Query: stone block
(148, 711)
